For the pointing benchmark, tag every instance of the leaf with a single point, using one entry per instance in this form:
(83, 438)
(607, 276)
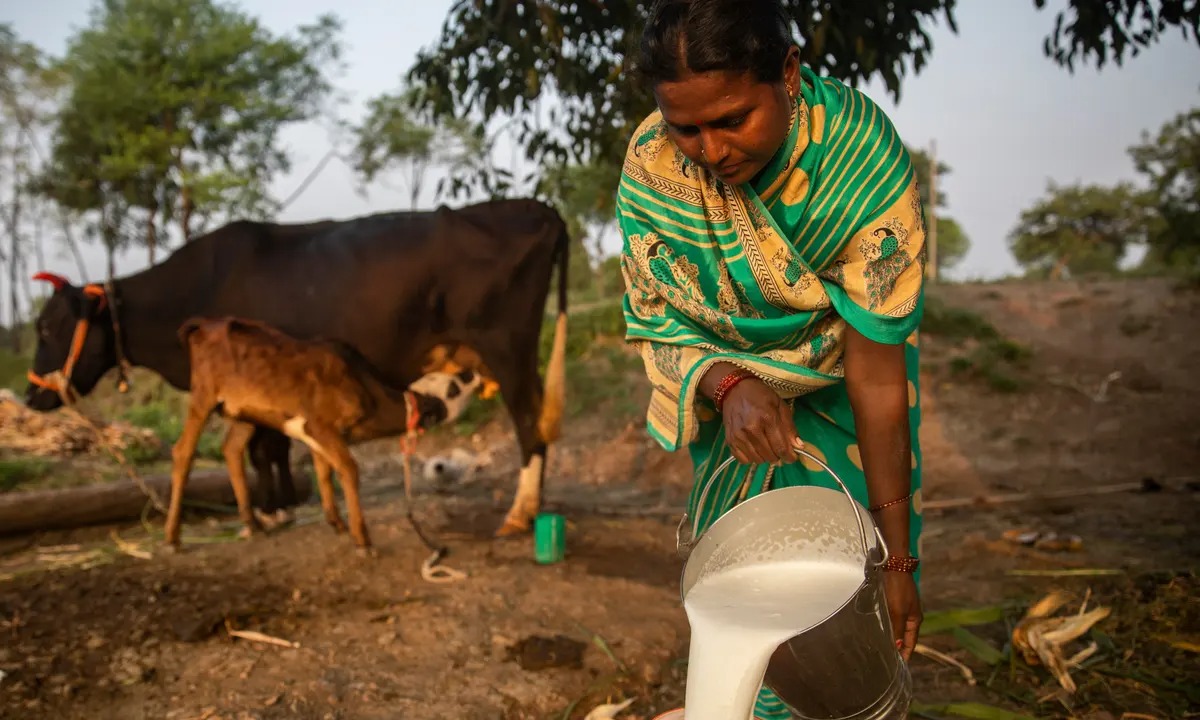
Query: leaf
(977, 646)
(971, 710)
(943, 620)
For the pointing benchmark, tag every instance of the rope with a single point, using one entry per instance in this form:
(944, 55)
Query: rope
(430, 569)
(115, 451)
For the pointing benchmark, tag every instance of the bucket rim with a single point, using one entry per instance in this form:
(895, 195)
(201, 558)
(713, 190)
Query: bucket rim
(868, 567)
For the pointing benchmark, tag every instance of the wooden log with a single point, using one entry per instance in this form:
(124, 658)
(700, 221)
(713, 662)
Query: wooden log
(35, 510)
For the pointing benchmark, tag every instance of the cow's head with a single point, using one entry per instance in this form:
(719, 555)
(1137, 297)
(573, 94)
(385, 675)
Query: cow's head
(74, 343)
(453, 390)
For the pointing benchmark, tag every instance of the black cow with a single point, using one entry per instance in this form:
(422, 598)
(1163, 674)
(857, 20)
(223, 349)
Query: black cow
(396, 286)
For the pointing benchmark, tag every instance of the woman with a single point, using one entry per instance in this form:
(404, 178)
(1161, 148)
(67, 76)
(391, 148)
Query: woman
(773, 259)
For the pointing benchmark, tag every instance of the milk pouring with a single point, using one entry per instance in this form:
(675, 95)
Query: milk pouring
(784, 590)
(740, 616)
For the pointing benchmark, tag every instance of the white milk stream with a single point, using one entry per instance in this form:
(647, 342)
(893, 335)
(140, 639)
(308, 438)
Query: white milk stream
(740, 616)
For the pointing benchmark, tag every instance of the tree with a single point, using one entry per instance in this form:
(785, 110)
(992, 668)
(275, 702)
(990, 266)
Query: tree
(501, 56)
(397, 135)
(1080, 229)
(1171, 163)
(585, 195)
(952, 242)
(179, 107)
(391, 135)
(28, 89)
(1104, 30)
(504, 57)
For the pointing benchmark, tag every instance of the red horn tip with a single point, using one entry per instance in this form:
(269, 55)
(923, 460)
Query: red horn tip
(58, 281)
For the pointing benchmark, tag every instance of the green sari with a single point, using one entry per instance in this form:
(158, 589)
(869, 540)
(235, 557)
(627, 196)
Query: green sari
(766, 276)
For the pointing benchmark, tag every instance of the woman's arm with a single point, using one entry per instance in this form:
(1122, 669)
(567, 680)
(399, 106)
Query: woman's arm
(877, 382)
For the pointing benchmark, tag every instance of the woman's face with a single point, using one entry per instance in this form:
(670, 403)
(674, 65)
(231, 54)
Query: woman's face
(729, 122)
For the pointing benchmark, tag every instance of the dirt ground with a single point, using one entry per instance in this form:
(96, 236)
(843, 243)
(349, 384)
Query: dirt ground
(135, 638)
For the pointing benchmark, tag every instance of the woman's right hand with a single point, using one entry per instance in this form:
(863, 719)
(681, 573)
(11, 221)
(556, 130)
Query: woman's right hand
(758, 423)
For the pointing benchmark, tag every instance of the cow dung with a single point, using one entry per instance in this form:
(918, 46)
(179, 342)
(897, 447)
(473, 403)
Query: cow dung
(541, 653)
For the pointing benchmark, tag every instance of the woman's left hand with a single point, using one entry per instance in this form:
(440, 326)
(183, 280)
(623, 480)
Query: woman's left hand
(904, 607)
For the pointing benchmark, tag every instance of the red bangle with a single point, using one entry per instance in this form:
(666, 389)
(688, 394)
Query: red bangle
(727, 383)
(901, 564)
(897, 501)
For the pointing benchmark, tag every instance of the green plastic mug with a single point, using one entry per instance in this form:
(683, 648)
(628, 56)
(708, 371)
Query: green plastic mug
(549, 538)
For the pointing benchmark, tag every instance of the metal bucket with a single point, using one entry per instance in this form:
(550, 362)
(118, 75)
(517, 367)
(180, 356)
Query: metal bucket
(845, 667)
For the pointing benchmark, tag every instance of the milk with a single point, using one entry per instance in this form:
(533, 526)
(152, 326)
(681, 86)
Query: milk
(741, 615)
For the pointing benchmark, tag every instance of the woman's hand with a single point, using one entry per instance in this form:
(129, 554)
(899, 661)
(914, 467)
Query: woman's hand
(904, 608)
(758, 423)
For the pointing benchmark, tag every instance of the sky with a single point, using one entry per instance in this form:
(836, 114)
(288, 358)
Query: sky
(1004, 117)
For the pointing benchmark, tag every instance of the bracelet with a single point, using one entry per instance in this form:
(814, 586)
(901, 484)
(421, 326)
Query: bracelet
(901, 564)
(727, 383)
(897, 501)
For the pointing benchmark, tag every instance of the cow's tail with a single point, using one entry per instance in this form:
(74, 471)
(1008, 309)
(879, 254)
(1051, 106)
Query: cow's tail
(554, 394)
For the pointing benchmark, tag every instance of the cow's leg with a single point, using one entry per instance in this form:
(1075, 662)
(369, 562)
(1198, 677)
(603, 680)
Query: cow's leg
(234, 448)
(521, 391)
(281, 454)
(331, 444)
(269, 455)
(324, 470)
(182, 455)
(267, 499)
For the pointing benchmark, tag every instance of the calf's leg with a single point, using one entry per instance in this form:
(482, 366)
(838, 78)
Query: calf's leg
(237, 436)
(324, 470)
(329, 442)
(182, 454)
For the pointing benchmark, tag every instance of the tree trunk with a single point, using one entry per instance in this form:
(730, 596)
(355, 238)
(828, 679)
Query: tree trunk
(37, 510)
(14, 263)
(1060, 267)
(110, 253)
(598, 270)
(69, 238)
(185, 213)
(151, 234)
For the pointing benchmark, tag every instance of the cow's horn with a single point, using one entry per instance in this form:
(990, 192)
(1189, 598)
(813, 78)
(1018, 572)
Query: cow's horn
(58, 281)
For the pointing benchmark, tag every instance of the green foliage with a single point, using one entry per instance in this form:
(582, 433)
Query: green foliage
(13, 367)
(176, 109)
(504, 57)
(1103, 30)
(397, 135)
(166, 422)
(952, 242)
(499, 57)
(979, 349)
(1080, 229)
(1171, 162)
(16, 471)
(921, 165)
(585, 195)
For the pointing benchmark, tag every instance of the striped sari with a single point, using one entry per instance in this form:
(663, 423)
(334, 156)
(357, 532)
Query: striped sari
(766, 276)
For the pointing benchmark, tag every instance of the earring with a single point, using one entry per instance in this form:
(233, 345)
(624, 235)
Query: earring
(791, 93)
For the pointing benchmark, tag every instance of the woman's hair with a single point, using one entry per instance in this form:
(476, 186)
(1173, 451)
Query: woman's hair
(702, 35)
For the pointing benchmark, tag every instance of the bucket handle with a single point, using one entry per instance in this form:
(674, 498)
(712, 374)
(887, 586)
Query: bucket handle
(862, 529)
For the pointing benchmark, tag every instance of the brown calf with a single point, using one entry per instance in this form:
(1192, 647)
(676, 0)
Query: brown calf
(321, 392)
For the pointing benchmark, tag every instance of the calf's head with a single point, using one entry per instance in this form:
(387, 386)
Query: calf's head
(74, 343)
(453, 391)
